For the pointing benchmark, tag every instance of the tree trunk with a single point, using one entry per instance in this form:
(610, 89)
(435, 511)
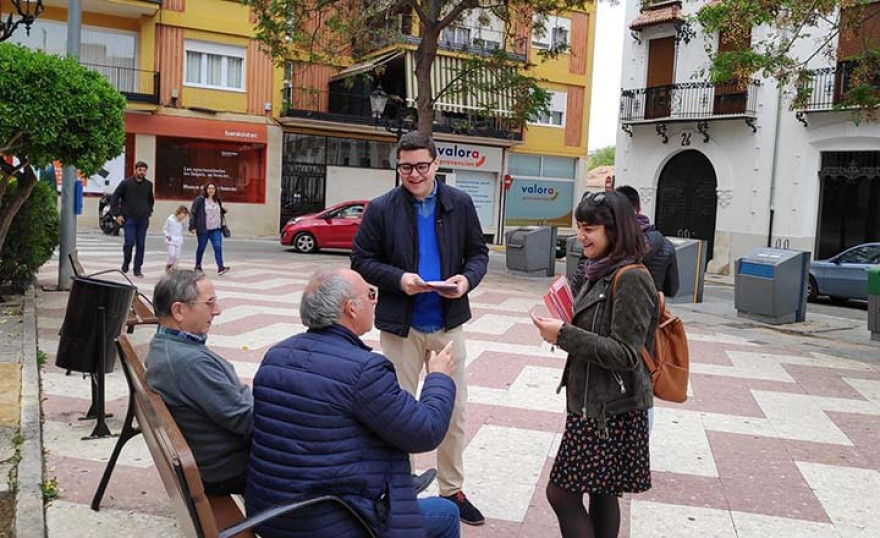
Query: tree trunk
(26, 180)
(425, 55)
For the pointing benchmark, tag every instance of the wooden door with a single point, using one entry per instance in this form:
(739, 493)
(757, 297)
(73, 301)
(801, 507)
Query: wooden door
(731, 97)
(661, 73)
(686, 198)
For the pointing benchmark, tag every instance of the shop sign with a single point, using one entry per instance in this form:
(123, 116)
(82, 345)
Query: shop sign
(469, 157)
(542, 202)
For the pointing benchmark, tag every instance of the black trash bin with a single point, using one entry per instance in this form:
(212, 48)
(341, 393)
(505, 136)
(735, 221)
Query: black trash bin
(79, 347)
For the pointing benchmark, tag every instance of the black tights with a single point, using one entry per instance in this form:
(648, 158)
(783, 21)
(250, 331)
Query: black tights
(602, 521)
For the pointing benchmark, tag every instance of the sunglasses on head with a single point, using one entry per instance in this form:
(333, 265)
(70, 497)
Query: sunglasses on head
(596, 198)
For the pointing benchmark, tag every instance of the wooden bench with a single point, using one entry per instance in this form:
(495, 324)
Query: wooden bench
(140, 314)
(174, 460)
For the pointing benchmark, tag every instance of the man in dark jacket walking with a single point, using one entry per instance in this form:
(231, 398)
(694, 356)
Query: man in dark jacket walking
(330, 418)
(133, 203)
(422, 245)
(660, 259)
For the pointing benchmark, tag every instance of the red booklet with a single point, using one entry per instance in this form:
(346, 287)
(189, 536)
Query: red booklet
(559, 299)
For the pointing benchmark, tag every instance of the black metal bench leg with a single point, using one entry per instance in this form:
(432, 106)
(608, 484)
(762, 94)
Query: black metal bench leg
(128, 431)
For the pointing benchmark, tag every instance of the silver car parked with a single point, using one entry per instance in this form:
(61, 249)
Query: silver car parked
(844, 276)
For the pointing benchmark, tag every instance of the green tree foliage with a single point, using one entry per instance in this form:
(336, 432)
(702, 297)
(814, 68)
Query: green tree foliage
(33, 235)
(601, 157)
(799, 31)
(327, 31)
(51, 108)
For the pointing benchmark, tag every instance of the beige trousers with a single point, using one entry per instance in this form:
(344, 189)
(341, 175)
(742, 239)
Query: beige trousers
(409, 355)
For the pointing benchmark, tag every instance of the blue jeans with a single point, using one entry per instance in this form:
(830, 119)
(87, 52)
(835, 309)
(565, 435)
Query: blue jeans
(135, 236)
(441, 517)
(216, 237)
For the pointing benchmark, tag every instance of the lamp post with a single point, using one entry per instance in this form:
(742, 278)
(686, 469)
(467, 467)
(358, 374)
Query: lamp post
(378, 101)
(27, 13)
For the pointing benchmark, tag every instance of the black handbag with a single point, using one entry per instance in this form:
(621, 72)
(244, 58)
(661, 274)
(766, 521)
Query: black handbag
(224, 228)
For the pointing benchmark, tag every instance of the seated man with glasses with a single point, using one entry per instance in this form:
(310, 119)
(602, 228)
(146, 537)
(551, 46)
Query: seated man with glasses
(211, 406)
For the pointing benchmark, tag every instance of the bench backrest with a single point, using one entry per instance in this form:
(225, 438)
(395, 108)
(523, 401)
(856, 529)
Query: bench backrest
(173, 458)
(76, 265)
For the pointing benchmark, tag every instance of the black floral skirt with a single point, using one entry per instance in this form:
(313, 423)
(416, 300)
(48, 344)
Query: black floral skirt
(613, 466)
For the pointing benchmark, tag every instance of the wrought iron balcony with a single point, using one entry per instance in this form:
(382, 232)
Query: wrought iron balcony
(828, 88)
(691, 101)
(135, 84)
(342, 107)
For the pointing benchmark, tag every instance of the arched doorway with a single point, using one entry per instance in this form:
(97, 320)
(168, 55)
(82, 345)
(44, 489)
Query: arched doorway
(686, 198)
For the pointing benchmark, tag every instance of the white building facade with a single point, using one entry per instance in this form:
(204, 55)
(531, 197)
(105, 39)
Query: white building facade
(733, 164)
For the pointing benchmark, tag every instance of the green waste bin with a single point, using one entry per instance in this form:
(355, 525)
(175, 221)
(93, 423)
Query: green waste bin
(874, 302)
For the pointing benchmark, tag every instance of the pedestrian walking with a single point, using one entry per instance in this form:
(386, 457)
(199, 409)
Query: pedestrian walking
(604, 450)
(421, 244)
(206, 221)
(174, 236)
(133, 199)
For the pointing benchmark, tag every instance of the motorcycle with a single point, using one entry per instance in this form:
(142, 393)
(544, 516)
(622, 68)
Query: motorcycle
(106, 220)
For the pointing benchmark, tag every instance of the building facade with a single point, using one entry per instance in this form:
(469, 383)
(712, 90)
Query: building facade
(201, 96)
(734, 164)
(337, 148)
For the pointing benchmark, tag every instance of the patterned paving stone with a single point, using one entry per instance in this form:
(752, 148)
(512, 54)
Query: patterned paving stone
(772, 441)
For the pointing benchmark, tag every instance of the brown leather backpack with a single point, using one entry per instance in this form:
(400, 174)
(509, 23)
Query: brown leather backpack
(668, 365)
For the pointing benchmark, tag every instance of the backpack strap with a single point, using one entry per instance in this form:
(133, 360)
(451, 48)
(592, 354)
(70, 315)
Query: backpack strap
(622, 270)
(661, 300)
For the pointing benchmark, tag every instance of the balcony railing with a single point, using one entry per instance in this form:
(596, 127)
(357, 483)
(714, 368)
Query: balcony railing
(829, 87)
(135, 84)
(354, 108)
(689, 101)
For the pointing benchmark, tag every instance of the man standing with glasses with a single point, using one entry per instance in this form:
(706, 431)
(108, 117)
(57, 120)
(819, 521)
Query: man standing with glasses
(421, 244)
(212, 407)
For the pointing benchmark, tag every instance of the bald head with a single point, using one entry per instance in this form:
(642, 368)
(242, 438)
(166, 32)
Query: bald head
(337, 296)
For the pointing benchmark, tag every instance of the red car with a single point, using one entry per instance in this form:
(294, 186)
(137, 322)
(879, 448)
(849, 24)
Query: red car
(333, 227)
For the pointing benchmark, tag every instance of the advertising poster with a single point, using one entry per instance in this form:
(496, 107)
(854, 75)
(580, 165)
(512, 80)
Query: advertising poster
(482, 192)
(538, 202)
(185, 165)
(106, 180)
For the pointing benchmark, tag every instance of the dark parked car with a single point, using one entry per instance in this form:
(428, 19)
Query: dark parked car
(333, 227)
(844, 276)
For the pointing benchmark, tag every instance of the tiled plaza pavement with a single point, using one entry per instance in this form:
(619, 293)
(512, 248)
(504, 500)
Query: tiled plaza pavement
(772, 442)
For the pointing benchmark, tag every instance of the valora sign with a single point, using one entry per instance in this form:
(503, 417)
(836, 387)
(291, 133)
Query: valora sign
(469, 157)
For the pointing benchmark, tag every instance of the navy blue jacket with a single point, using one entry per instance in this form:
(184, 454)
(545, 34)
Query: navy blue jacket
(330, 418)
(386, 246)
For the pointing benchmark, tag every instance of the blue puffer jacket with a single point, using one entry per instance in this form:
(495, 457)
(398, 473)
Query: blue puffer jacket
(330, 418)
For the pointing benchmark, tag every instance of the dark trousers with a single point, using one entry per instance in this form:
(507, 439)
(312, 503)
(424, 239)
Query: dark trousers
(216, 238)
(135, 235)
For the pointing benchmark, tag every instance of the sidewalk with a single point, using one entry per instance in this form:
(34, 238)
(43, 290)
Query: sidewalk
(778, 437)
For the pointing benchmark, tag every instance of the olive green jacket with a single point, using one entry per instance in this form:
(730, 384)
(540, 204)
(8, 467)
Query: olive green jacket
(604, 372)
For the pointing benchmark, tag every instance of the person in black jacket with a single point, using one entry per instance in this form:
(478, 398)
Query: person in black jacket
(206, 220)
(133, 199)
(421, 244)
(660, 258)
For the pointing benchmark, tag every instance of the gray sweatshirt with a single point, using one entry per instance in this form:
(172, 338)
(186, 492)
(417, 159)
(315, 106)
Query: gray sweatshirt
(212, 408)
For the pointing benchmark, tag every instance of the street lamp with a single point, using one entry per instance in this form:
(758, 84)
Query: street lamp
(28, 11)
(378, 101)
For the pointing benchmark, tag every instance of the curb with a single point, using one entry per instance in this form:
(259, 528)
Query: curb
(30, 519)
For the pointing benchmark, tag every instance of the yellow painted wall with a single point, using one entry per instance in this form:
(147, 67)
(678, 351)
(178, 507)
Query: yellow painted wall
(219, 100)
(212, 16)
(543, 140)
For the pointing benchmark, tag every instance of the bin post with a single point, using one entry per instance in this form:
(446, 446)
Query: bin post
(874, 302)
(551, 264)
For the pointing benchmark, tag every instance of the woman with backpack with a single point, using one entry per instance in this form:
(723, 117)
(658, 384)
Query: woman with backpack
(604, 451)
(207, 220)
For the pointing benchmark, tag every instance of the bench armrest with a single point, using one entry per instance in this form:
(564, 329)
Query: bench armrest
(272, 513)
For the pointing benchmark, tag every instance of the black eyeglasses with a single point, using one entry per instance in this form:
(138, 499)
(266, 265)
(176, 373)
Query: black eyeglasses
(407, 168)
(372, 293)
